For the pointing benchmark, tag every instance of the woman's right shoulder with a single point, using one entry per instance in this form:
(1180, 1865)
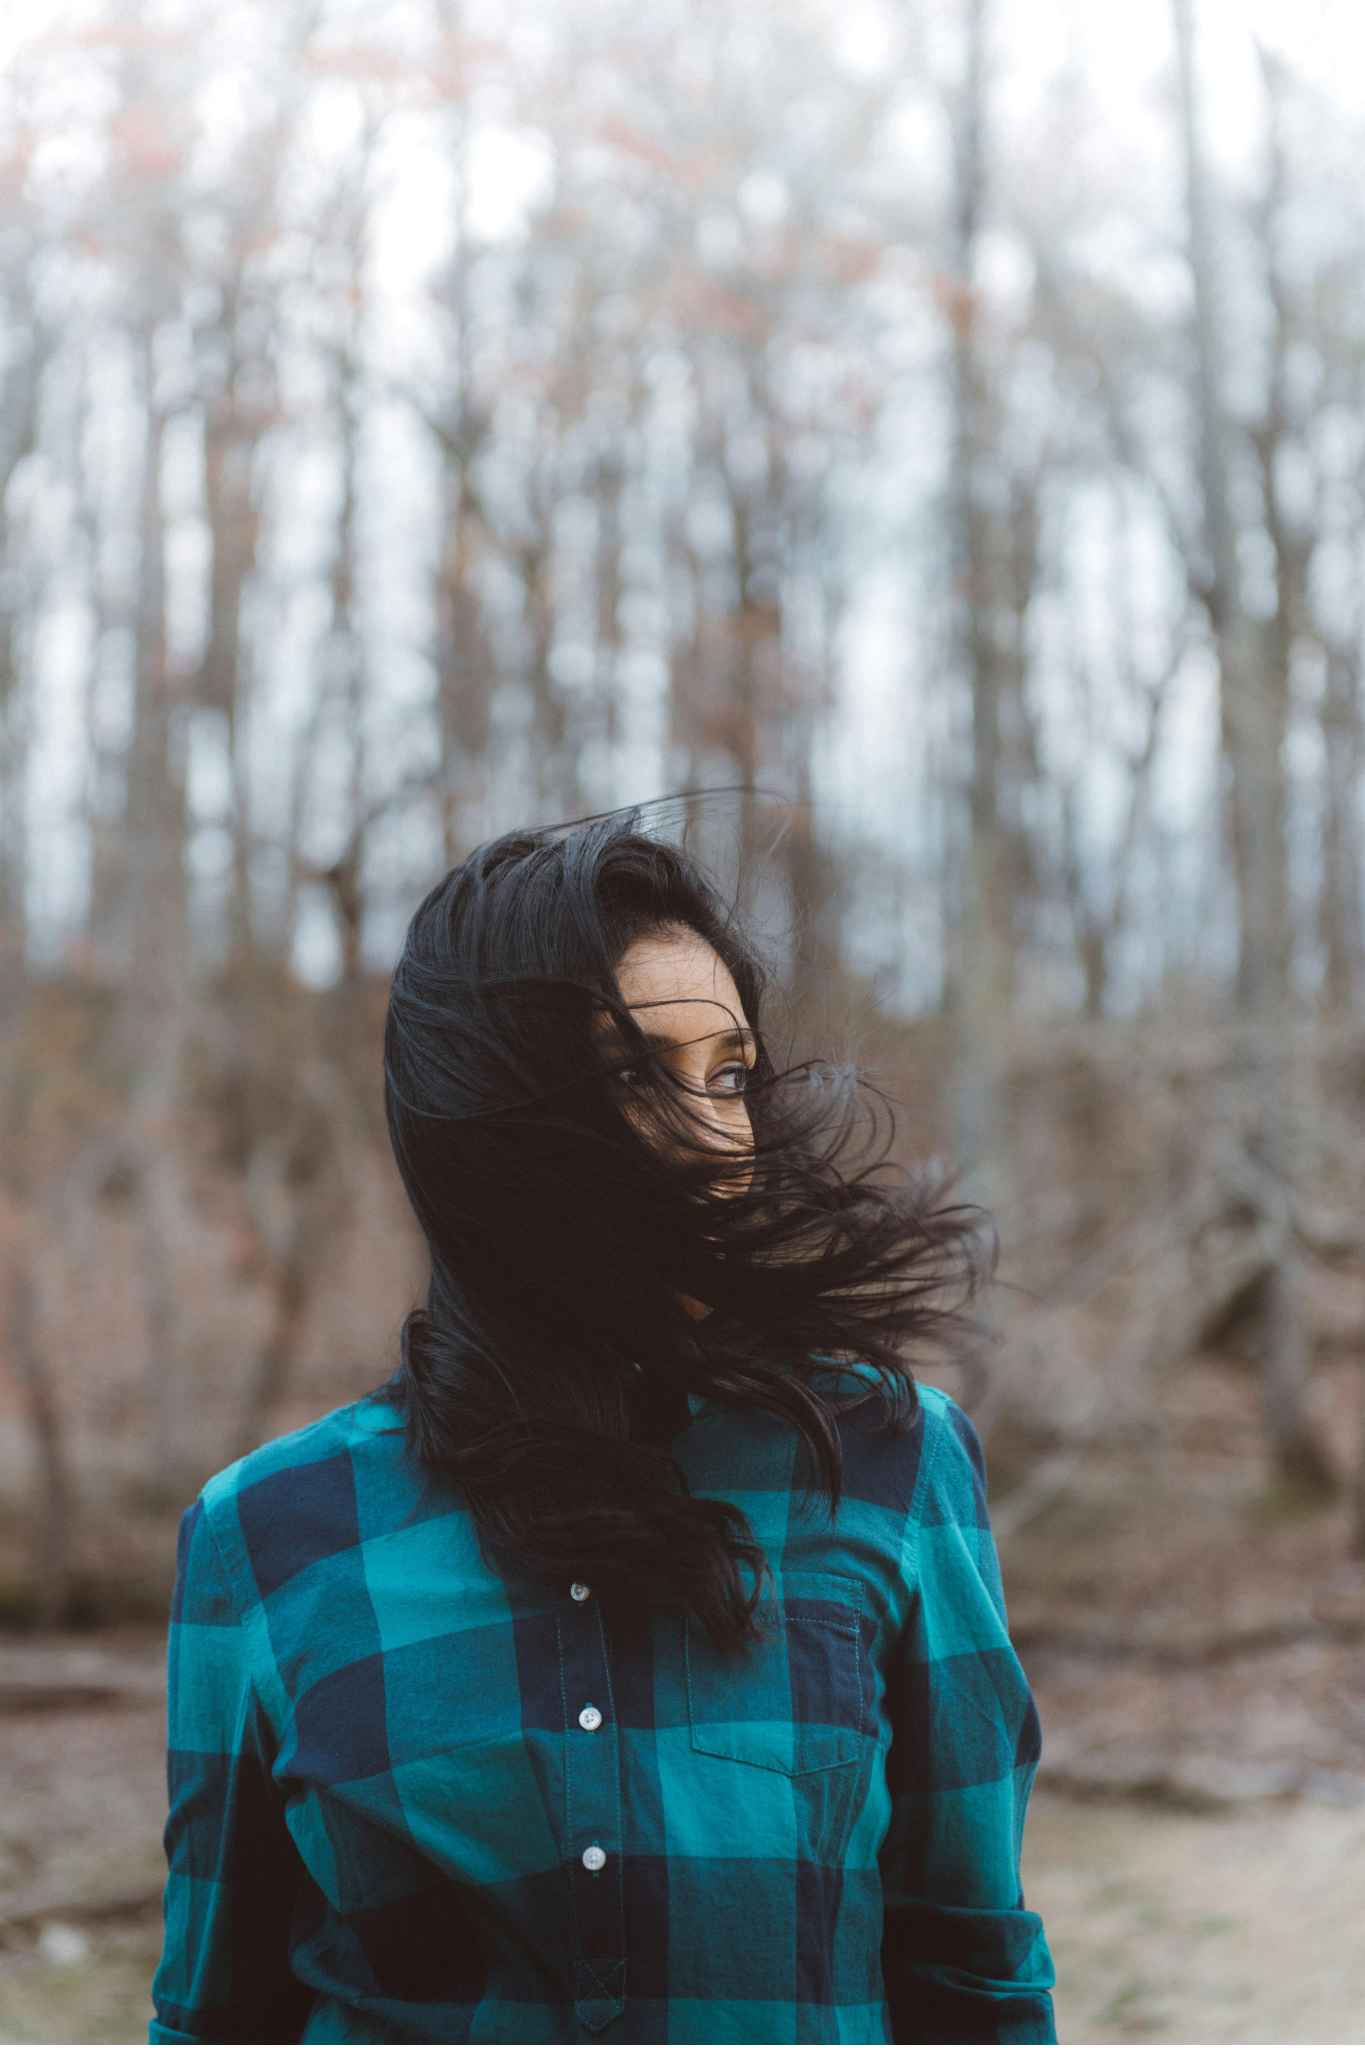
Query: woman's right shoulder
(301, 1502)
(304, 1473)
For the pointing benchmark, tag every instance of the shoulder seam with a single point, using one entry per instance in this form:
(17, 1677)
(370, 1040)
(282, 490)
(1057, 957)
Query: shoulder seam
(224, 1562)
(245, 1469)
(928, 1461)
(245, 1632)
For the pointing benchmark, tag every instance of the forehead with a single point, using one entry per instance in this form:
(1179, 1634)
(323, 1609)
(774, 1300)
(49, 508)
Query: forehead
(683, 979)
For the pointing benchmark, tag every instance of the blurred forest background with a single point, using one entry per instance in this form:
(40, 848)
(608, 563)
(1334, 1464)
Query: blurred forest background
(943, 421)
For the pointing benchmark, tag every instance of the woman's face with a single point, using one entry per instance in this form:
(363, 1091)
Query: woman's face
(684, 996)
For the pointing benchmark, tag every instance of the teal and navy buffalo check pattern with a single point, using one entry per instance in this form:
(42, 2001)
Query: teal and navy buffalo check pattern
(412, 1799)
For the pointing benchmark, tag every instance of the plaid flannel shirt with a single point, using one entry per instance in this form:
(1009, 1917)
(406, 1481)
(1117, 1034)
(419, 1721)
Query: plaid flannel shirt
(412, 1798)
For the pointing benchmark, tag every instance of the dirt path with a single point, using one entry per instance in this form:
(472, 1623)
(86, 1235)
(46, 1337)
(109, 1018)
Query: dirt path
(1191, 1927)
(1164, 1926)
(81, 1864)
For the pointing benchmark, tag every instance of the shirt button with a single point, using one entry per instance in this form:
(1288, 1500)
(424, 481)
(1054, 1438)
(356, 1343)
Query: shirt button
(594, 1858)
(589, 1717)
(579, 1591)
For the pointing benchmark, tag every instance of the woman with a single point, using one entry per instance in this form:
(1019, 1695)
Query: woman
(632, 1664)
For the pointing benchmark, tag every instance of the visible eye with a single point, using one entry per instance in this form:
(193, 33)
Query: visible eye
(630, 1077)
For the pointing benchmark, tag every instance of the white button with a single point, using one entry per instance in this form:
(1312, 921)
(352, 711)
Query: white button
(579, 1591)
(589, 1717)
(594, 1858)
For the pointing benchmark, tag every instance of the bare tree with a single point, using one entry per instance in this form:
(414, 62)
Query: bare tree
(465, 660)
(157, 992)
(982, 980)
(51, 1560)
(1253, 677)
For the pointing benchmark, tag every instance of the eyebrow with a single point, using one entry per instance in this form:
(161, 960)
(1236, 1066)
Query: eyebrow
(740, 1037)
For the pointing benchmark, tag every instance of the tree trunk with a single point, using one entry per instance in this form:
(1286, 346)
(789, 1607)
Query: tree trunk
(52, 1531)
(813, 879)
(983, 981)
(1342, 912)
(157, 990)
(1239, 657)
(755, 667)
(465, 665)
(1254, 685)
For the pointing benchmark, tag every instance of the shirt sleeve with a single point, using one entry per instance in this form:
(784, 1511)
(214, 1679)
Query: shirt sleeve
(224, 1970)
(962, 1958)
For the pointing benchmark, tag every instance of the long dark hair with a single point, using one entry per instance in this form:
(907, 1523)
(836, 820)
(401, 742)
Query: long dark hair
(554, 1355)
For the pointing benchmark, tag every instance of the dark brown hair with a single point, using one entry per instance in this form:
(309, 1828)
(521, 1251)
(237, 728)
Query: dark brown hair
(552, 1360)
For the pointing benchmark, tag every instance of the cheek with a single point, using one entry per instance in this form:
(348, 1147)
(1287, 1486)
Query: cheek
(738, 1135)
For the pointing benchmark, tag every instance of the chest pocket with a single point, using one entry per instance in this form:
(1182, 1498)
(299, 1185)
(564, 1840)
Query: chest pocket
(795, 1702)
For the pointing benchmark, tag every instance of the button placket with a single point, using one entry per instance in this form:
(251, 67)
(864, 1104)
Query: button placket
(592, 1793)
